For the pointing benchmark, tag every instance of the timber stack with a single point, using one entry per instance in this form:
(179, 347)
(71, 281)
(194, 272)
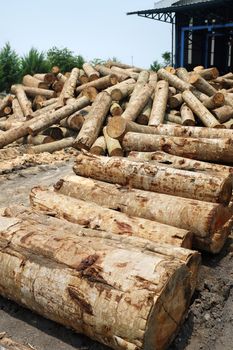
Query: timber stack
(116, 242)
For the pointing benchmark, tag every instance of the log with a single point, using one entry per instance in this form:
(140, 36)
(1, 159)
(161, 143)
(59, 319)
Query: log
(198, 68)
(90, 92)
(183, 74)
(44, 121)
(116, 109)
(156, 178)
(144, 116)
(100, 83)
(58, 86)
(25, 104)
(121, 90)
(132, 75)
(153, 78)
(47, 109)
(17, 110)
(209, 73)
(48, 78)
(94, 121)
(47, 102)
(83, 78)
(39, 139)
(5, 102)
(71, 84)
(159, 103)
(212, 150)
(91, 215)
(175, 101)
(173, 118)
(118, 126)
(32, 91)
(201, 218)
(223, 113)
(107, 71)
(99, 147)
(229, 124)
(135, 107)
(75, 121)
(61, 77)
(58, 132)
(30, 81)
(173, 80)
(37, 102)
(217, 100)
(187, 117)
(113, 145)
(51, 146)
(141, 82)
(201, 84)
(182, 163)
(43, 277)
(90, 72)
(200, 110)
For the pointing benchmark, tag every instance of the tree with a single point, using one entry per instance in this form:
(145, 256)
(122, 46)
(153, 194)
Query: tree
(9, 67)
(64, 59)
(155, 66)
(34, 62)
(166, 56)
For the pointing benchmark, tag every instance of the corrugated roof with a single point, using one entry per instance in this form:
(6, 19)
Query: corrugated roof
(170, 3)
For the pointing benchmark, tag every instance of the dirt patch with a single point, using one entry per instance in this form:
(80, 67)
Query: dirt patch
(209, 323)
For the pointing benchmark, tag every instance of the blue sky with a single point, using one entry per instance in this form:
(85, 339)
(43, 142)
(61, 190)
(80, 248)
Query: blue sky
(94, 29)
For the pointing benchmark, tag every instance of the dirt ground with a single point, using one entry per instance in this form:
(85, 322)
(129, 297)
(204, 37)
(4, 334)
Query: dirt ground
(209, 323)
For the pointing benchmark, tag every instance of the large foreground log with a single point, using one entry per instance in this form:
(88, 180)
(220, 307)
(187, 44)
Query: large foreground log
(117, 127)
(94, 121)
(91, 215)
(213, 150)
(201, 218)
(156, 178)
(99, 279)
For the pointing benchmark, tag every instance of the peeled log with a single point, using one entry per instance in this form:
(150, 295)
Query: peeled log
(94, 121)
(217, 100)
(141, 82)
(187, 117)
(130, 74)
(90, 71)
(159, 103)
(223, 113)
(201, 84)
(75, 121)
(90, 92)
(100, 84)
(99, 147)
(175, 101)
(183, 74)
(52, 146)
(116, 109)
(182, 163)
(135, 107)
(107, 71)
(117, 127)
(71, 84)
(25, 104)
(144, 116)
(62, 264)
(113, 145)
(209, 73)
(121, 90)
(32, 91)
(17, 110)
(91, 215)
(173, 80)
(213, 150)
(200, 110)
(28, 80)
(156, 178)
(201, 218)
(45, 120)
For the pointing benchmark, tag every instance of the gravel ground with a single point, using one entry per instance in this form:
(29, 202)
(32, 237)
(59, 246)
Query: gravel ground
(209, 323)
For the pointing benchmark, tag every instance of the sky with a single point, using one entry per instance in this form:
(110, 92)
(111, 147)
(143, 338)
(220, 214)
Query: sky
(94, 29)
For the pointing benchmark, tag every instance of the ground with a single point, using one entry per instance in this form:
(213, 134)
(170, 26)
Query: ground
(209, 323)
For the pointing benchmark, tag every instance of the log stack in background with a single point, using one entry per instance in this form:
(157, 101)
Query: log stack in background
(120, 245)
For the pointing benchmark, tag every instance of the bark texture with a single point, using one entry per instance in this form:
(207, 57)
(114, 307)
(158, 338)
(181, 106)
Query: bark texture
(159, 103)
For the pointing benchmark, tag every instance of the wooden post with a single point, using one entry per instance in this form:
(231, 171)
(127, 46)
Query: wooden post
(159, 103)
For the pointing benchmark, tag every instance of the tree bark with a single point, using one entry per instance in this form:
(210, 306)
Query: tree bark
(113, 145)
(107, 71)
(140, 84)
(213, 150)
(94, 121)
(217, 100)
(33, 91)
(223, 114)
(153, 78)
(229, 124)
(90, 92)
(201, 218)
(159, 103)
(100, 83)
(75, 121)
(121, 90)
(201, 84)
(182, 163)
(156, 178)
(90, 72)
(17, 110)
(99, 147)
(25, 104)
(118, 126)
(40, 274)
(48, 78)
(30, 81)
(173, 80)
(5, 102)
(132, 75)
(183, 74)
(175, 101)
(45, 120)
(71, 84)
(144, 116)
(173, 118)
(36, 103)
(91, 215)
(52, 146)
(209, 73)
(200, 110)
(135, 107)
(187, 117)
(47, 102)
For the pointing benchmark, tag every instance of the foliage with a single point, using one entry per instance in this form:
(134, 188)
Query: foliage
(96, 61)
(9, 67)
(156, 65)
(64, 59)
(34, 62)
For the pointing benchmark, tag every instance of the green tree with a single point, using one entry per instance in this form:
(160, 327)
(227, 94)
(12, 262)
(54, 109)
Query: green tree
(96, 61)
(155, 66)
(166, 56)
(9, 67)
(64, 59)
(34, 62)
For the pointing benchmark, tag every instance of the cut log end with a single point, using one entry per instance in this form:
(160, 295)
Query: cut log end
(116, 127)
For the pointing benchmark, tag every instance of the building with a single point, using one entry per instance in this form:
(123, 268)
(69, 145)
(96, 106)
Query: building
(202, 31)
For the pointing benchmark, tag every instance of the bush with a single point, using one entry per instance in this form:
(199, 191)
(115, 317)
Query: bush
(64, 59)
